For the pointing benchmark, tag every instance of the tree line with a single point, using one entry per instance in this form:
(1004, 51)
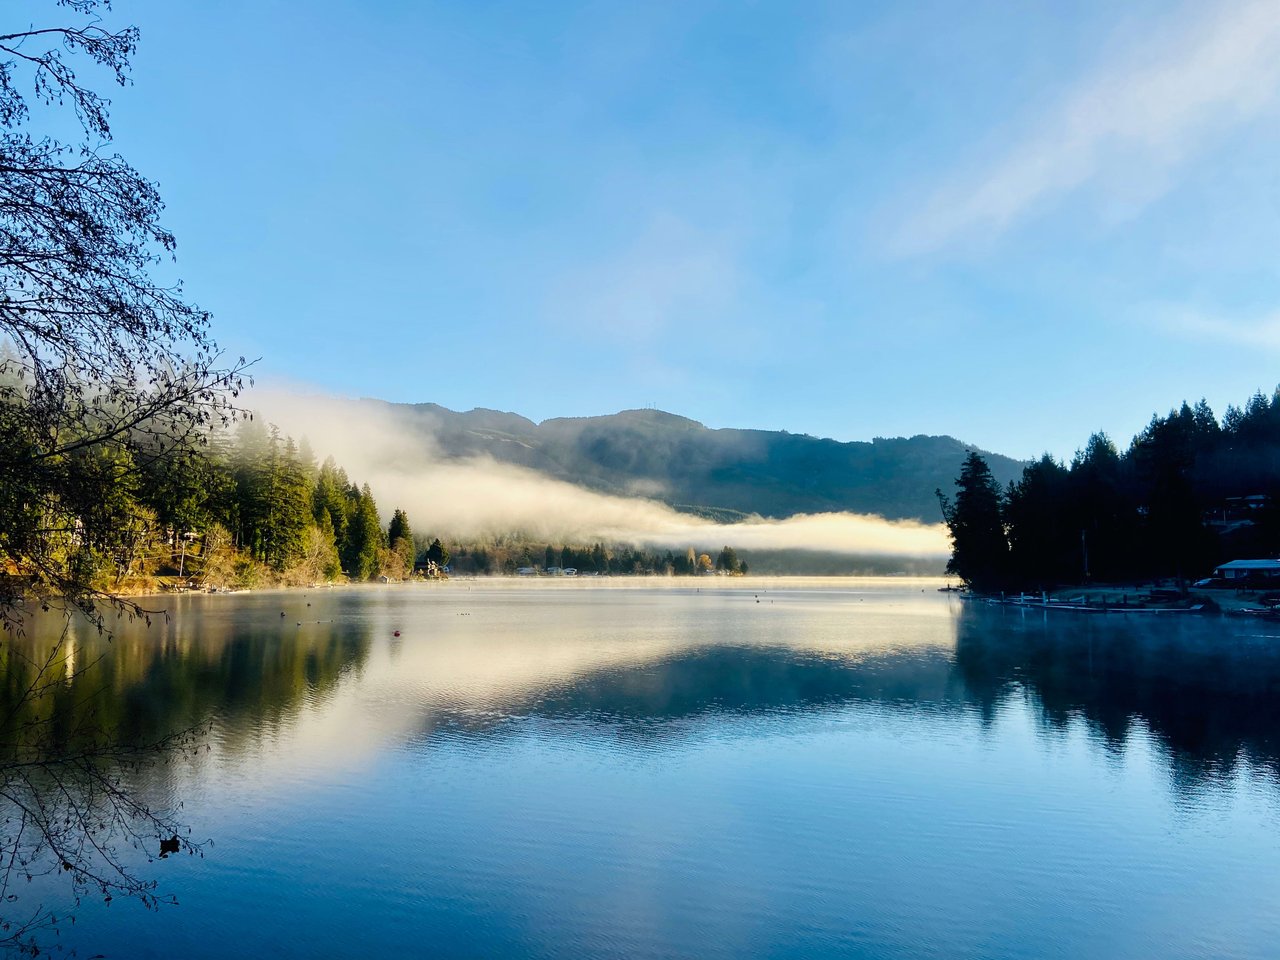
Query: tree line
(508, 555)
(248, 507)
(1188, 493)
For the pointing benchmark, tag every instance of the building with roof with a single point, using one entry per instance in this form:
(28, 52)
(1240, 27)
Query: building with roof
(1249, 569)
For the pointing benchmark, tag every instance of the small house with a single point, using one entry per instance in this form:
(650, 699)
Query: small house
(1249, 570)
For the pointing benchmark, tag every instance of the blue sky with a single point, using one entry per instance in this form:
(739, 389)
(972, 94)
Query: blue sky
(1014, 223)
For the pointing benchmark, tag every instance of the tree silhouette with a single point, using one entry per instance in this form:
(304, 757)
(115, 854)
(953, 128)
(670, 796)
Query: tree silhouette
(980, 550)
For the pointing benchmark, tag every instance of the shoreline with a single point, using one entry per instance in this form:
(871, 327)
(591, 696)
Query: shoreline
(1128, 598)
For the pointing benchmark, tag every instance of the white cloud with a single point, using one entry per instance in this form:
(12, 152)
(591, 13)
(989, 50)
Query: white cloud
(1261, 332)
(1132, 122)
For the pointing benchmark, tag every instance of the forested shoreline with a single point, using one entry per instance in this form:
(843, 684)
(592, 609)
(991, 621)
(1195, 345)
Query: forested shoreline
(1188, 493)
(516, 555)
(248, 507)
(254, 508)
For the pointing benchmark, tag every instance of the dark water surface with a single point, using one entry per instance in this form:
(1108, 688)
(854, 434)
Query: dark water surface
(762, 769)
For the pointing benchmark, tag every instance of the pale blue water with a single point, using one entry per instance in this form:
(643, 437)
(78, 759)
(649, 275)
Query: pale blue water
(764, 769)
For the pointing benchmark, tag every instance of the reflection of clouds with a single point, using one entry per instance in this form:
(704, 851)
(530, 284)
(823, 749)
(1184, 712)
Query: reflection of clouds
(478, 653)
(659, 659)
(520, 647)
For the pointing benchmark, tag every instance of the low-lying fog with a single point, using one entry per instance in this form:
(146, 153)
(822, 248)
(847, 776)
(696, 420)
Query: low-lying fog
(477, 498)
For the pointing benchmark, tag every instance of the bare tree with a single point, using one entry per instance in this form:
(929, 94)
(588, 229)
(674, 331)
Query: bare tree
(69, 802)
(102, 366)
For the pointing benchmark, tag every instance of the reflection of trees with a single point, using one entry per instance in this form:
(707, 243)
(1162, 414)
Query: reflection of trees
(1205, 692)
(90, 728)
(1208, 693)
(663, 698)
(69, 803)
(749, 680)
(150, 681)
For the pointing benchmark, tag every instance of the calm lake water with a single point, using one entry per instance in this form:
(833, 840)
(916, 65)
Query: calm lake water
(775, 769)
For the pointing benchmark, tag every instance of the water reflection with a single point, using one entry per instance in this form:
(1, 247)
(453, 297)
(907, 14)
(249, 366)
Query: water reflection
(1207, 689)
(645, 666)
(858, 769)
(144, 682)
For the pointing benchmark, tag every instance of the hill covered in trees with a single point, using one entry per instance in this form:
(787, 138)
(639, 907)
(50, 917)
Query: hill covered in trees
(721, 474)
(1188, 493)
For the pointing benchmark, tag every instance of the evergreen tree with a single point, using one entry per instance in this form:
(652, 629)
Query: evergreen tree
(307, 459)
(330, 497)
(322, 551)
(1044, 546)
(1164, 459)
(400, 537)
(728, 561)
(980, 551)
(290, 510)
(364, 538)
(438, 555)
(1104, 509)
(252, 474)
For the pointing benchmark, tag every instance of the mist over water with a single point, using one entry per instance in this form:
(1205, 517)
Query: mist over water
(476, 498)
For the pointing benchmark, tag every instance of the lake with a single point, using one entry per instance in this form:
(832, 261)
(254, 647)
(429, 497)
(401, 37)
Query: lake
(696, 768)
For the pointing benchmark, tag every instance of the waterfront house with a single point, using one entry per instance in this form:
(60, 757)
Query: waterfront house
(1249, 570)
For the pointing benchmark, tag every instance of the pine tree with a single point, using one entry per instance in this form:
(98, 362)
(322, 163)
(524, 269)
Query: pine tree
(728, 560)
(330, 498)
(290, 508)
(437, 553)
(400, 537)
(979, 549)
(364, 535)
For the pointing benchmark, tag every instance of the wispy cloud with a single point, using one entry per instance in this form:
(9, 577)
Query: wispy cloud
(673, 273)
(1261, 332)
(1133, 121)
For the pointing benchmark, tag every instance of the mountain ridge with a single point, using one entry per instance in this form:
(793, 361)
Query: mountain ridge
(696, 468)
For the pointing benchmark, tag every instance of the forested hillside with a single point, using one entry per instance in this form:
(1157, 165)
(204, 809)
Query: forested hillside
(680, 461)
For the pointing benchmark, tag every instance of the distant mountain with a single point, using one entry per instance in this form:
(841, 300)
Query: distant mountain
(716, 473)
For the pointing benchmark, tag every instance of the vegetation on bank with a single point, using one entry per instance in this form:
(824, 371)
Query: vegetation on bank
(246, 509)
(1189, 492)
(106, 372)
(512, 555)
(504, 556)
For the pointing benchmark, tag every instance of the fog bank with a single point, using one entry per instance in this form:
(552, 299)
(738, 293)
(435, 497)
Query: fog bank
(477, 498)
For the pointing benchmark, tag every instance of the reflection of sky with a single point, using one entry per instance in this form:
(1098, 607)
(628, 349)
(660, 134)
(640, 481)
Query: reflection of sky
(479, 651)
(861, 770)
(338, 687)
